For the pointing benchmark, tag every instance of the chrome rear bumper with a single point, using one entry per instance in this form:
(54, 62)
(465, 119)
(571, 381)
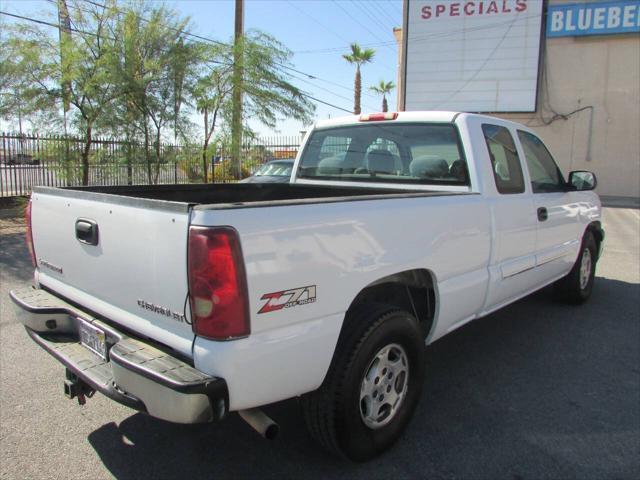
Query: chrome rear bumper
(135, 373)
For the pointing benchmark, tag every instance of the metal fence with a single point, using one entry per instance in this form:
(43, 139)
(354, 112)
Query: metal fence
(30, 160)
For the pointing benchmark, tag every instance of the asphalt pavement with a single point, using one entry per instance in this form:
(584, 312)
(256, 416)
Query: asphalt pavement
(537, 390)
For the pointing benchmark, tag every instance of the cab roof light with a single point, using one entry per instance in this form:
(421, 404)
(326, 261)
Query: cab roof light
(377, 117)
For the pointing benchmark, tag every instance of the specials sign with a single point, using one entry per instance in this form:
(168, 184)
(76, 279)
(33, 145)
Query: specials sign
(455, 9)
(475, 55)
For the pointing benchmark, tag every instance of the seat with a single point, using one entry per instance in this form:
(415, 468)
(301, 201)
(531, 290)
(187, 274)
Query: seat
(501, 169)
(458, 171)
(429, 166)
(332, 165)
(381, 161)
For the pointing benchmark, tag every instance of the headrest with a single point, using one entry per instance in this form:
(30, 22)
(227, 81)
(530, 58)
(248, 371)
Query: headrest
(458, 171)
(332, 165)
(429, 166)
(381, 161)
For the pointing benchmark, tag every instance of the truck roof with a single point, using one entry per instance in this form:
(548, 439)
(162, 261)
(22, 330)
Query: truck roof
(415, 116)
(422, 116)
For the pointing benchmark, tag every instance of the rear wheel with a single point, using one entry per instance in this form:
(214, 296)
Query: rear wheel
(576, 287)
(372, 386)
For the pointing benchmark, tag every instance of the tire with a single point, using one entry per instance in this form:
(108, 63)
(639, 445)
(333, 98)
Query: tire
(348, 415)
(576, 287)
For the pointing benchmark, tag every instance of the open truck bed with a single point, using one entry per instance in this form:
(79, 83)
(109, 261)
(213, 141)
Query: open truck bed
(231, 195)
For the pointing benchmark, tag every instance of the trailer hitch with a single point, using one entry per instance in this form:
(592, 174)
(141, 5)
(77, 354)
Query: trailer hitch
(76, 388)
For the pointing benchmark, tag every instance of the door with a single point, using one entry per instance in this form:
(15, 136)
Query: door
(558, 237)
(513, 220)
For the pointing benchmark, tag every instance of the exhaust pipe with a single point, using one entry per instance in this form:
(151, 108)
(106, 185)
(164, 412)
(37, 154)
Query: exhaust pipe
(260, 422)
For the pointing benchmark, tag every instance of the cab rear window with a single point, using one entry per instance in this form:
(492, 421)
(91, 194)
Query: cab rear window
(386, 153)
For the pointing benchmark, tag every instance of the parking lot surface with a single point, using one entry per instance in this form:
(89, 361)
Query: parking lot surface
(536, 390)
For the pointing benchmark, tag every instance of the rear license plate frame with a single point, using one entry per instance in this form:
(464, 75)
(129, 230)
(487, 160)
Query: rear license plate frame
(92, 338)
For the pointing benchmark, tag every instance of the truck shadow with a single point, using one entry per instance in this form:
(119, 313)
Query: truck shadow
(537, 390)
(14, 257)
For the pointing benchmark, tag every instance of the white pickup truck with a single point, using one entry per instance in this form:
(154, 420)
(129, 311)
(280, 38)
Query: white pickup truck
(190, 302)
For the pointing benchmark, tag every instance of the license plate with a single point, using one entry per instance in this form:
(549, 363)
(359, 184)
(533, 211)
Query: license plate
(93, 338)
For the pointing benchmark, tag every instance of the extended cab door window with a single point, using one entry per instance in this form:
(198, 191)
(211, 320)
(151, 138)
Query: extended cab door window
(505, 163)
(545, 174)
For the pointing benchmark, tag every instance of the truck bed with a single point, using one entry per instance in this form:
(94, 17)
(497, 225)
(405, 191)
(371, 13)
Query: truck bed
(230, 195)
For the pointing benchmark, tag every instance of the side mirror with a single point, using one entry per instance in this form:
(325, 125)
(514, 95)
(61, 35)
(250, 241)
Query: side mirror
(582, 180)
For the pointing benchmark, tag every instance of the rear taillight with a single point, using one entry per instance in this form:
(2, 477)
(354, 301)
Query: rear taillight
(217, 283)
(29, 233)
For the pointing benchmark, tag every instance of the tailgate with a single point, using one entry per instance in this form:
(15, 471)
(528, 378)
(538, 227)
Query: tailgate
(134, 272)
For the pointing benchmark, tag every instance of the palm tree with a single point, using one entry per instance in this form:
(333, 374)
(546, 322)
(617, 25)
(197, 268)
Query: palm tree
(383, 88)
(358, 56)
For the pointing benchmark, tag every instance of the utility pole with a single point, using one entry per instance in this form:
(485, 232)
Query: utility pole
(236, 119)
(64, 32)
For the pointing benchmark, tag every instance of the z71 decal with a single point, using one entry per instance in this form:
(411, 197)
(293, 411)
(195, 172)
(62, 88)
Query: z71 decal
(288, 298)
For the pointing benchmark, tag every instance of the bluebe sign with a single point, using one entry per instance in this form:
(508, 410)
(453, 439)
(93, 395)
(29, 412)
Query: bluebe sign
(593, 18)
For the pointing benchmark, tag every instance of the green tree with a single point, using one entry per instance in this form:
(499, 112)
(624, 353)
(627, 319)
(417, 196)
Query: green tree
(267, 92)
(81, 61)
(358, 57)
(20, 98)
(155, 63)
(86, 78)
(267, 89)
(383, 88)
(211, 92)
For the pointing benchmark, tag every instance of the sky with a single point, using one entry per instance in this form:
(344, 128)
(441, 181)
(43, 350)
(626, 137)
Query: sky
(317, 31)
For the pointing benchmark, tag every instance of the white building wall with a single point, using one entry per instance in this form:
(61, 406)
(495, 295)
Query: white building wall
(602, 72)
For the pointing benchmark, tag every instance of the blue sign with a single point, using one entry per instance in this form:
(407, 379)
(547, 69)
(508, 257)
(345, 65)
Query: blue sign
(593, 18)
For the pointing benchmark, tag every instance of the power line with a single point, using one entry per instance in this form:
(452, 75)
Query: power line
(369, 13)
(383, 14)
(317, 21)
(43, 22)
(329, 91)
(314, 77)
(326, 103)
(357, 21)
(393, 12)
(418, 38)
(423, 38)
(345, 48)
(177, 30)
(206, 39)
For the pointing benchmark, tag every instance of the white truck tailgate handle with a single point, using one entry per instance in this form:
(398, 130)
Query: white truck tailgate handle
(87, 231)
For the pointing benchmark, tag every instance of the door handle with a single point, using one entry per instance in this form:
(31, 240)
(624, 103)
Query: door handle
(543, 214)
(87, 231)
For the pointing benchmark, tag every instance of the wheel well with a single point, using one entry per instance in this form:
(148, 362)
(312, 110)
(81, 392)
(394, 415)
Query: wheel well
(596, 230)
(412, 290)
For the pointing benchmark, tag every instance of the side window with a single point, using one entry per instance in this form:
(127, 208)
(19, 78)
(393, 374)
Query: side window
(505, 163)
(545, 174)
